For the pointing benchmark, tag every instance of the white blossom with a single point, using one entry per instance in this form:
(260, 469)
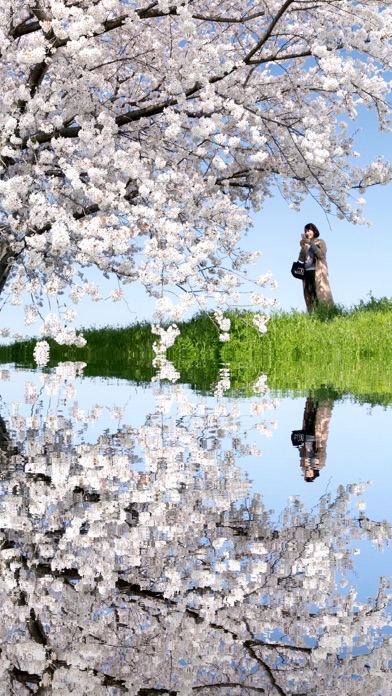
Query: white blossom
(153, 179)
(41, 353)
(31, 314)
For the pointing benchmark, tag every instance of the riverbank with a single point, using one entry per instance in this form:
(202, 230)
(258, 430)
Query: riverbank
(334, 346)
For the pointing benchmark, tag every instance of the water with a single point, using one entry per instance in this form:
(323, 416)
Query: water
(157, 540)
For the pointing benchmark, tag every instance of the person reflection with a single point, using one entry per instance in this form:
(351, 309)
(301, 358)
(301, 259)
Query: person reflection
(312, 439)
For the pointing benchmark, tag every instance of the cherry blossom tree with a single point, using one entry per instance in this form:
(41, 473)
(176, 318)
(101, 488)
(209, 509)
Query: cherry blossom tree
(135, 137)
(138, 561)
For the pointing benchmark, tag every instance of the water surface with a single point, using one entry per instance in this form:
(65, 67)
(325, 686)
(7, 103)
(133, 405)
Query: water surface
(160, 540)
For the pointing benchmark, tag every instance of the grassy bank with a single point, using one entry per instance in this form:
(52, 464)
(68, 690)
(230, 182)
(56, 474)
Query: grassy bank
(347, 350)
(350, 349)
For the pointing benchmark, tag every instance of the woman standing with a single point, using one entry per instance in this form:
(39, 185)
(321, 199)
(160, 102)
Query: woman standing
(314, 254)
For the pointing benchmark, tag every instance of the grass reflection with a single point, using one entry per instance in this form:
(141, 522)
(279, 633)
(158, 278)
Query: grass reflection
(343, 351)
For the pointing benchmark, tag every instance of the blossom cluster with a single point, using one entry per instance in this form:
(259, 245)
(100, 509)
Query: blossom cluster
(149, 173)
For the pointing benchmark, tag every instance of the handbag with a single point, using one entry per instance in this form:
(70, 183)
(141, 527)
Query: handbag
(298, 438)
(298, 270)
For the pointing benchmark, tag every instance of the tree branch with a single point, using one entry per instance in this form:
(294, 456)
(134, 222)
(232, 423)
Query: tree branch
(268, 32)
(249, 648)
(278, 58)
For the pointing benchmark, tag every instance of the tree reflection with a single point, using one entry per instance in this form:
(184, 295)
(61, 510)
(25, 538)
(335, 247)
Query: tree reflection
(139, 564)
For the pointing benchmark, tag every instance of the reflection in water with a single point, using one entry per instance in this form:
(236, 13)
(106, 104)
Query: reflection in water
(311, 440)
(138, 564)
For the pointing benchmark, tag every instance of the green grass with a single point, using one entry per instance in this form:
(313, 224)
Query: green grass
(109, 351)
(348, 350)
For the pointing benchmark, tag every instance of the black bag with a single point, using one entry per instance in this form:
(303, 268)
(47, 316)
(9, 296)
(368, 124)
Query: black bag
(298, 438)
(298, 270)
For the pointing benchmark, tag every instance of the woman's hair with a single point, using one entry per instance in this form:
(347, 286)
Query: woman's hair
(311, 226)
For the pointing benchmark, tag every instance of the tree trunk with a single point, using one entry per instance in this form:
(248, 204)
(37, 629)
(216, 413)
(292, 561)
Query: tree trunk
(7, 256)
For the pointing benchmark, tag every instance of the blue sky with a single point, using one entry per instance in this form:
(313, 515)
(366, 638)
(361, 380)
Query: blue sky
(358, 257)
